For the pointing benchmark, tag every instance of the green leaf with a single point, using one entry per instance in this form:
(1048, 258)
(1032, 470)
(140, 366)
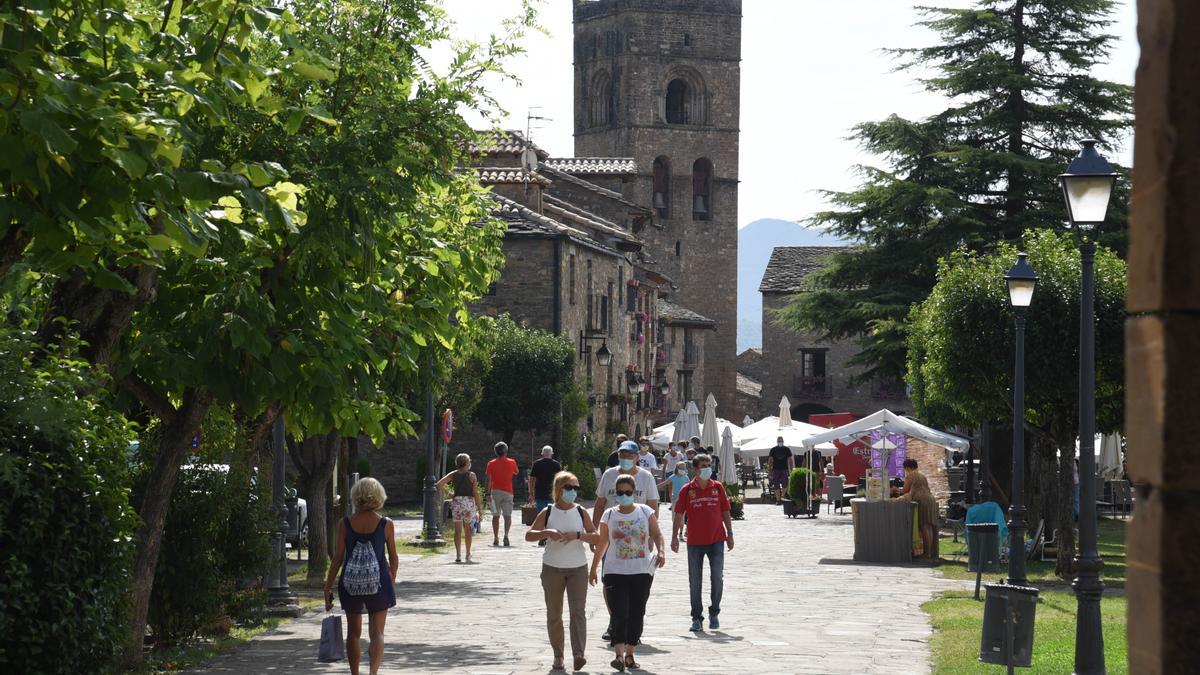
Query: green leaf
(132, 163)
(160, 242)
(58, 140)
(105, 278)
(313, 71)
(321, 115)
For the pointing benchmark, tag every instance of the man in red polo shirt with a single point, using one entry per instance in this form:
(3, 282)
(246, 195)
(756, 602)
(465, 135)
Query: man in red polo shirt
(500, 473)
(710, 531)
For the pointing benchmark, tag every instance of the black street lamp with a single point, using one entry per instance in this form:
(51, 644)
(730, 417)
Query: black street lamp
(433, 534)
(280, 599)
(1021, 280)
(1087, 187)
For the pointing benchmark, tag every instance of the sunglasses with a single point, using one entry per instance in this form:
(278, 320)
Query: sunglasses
(571, 487)
(625, 493)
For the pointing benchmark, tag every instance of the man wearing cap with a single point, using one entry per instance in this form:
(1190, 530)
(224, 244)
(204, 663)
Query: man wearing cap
(500, 474)
(541, 480)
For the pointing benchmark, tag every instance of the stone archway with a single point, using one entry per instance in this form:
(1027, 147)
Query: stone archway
(801, 411)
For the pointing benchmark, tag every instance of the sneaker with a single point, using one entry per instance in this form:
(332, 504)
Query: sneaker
(696, 627)
(713, 623)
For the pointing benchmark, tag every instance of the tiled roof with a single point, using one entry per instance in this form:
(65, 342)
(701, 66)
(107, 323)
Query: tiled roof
(749, 386)
(593, 165)
(789, 265)
(503, 142)
(521, 220)
(564, 210)
(489, 175)
(675, 314)
(556, 174)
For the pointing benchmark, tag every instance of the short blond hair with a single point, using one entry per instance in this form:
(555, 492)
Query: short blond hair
(560, 483)
(368, 495)
(462, 459)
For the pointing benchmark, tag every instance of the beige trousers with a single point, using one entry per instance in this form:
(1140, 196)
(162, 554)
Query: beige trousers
(574, 580)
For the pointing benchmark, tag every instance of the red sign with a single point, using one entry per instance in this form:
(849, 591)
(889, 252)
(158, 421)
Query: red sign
(447, 426)
(853, 459)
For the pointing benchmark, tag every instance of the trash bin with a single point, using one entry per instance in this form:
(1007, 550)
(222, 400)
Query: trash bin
(983, 547)
(1019, 605)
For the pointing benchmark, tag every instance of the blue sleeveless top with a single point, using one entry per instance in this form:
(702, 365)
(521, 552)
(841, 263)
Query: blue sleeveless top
(386, 597)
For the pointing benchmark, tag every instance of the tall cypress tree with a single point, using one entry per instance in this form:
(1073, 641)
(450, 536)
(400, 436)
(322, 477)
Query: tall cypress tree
(1016, 74)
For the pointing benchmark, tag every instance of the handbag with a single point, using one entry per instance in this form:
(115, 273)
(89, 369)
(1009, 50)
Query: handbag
(333, 648)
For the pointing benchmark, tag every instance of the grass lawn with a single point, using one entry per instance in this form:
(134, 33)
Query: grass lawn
(1110, 543)
(957, 620)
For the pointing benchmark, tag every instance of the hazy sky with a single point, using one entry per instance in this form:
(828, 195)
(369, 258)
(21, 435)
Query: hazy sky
(811, 69)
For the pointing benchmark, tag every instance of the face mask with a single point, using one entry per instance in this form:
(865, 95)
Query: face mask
(706, 472)
(626, 464)
(624, 500)
(681, 472)
(568, 496)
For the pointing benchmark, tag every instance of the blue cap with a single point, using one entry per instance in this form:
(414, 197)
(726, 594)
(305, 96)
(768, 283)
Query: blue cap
(628, 446)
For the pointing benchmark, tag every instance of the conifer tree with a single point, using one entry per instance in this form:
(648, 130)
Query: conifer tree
(1020, 97)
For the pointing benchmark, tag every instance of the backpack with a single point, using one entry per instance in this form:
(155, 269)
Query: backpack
(360, 576)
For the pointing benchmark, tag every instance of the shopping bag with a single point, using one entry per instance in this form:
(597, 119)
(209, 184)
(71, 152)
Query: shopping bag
(332, 647)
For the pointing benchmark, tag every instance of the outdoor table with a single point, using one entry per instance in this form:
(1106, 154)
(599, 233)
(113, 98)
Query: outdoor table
(883, 530)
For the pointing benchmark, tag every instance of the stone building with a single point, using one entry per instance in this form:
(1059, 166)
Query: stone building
(815, 375)
(659, 83)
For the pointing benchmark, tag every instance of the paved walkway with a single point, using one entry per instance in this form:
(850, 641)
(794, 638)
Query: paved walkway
(794, 603)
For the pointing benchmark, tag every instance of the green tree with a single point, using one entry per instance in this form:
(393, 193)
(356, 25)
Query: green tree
(961, 358)
(532, 372)
(317, 293)
(1016, 75)
(66, 526)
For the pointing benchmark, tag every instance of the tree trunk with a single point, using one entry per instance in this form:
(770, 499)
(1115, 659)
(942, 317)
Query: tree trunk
(1064, 566)
(12, 247)
(100, 316)
(178, 431)
(314, 459)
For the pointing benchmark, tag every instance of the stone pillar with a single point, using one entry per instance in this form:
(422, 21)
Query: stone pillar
(1163, 343)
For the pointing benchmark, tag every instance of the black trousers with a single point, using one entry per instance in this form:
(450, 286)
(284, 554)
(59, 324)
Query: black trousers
(627, 597)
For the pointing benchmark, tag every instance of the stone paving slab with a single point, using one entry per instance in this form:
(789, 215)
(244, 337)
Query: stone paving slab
(794, 602)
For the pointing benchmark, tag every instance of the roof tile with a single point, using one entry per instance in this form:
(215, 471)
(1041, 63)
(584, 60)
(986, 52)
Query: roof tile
(789, 265)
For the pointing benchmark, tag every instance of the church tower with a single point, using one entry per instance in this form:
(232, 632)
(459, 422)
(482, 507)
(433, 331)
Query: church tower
(658, 81)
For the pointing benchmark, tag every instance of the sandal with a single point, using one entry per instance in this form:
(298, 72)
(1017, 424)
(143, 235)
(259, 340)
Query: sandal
(506, 541)
(580, 662)
(631, 664)
(457, 559)
(618, 665)
(558, 665)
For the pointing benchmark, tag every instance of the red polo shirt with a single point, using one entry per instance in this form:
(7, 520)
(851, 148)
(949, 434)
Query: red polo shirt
(705, 509)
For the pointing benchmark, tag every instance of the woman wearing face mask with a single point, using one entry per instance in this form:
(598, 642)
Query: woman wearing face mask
(631, 546)
(567, 527)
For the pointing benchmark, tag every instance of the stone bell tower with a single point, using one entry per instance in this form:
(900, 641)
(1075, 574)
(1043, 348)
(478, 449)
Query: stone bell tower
(658, 81)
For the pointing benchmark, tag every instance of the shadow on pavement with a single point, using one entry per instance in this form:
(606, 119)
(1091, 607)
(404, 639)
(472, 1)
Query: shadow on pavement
(412, 590)
(862, 563)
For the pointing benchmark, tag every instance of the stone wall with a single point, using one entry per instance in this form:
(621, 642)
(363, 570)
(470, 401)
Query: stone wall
(782, 360)
(642, 46)
(1162, 343)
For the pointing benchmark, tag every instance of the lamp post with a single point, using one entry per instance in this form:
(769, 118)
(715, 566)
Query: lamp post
(1087, 187)
(433, 534)
(281, 601)
(1021, 280)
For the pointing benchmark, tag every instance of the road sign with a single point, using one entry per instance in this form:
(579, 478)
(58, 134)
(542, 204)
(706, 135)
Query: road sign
(447, 426)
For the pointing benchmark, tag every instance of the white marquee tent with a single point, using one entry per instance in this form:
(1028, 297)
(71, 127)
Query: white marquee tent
(890, 422)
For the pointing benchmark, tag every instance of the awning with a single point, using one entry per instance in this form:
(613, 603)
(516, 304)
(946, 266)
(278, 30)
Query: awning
(890, 422)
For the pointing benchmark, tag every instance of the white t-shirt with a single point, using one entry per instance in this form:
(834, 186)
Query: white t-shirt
(672, 459)
(647, 461)
(629, 541)
(644, 486)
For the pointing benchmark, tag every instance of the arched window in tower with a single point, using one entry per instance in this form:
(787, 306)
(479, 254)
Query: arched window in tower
(662, 187)
(601, 104)
(702, 189)
(679, 96)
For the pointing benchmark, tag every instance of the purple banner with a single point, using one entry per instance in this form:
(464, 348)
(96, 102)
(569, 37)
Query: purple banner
(895, 452)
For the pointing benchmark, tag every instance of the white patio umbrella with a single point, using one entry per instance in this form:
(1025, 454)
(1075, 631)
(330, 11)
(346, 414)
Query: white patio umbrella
(691, 422)
(677, 428)
(710, 436)
(785, 412)
(793, 437)
(728, 470)
(747, 421)
(662, 436)
(765, 426)
(1110, 457)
